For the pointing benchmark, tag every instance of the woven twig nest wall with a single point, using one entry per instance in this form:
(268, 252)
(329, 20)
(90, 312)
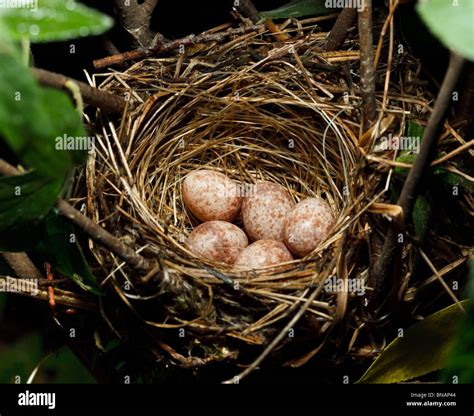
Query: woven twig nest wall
(253, 110)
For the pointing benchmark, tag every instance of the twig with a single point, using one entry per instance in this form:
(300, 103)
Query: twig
(367, 70)
(135, 18)
(102, 236)
(21, 264)
(388, 21)
(60, 296)
(95, 231)
(102, 99)
(441, 280)
(382, 274)
(167, 46)
(277, 339)
(338, 34)
(276, 31)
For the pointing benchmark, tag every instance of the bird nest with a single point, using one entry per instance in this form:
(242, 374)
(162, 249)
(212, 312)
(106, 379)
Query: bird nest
(253, 109)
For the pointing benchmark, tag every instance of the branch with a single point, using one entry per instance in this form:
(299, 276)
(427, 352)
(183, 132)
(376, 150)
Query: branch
(21, 264)
(382, 277)
(167, 46)
(367, 69)
(96, 232)
(61, 297)
(135, 18)
(102, 236)
(102, 99)
(338, 34)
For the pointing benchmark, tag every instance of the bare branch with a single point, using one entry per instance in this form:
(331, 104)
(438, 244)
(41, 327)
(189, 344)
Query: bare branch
(367, 69)
(102, 99)
(21, 264)
(383, 274)
(346, 19)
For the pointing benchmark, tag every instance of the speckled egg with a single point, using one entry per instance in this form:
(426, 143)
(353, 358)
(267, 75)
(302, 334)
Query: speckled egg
(211, 195)
(262, 253)
(218, 241)
(307, 224)
(264, 211)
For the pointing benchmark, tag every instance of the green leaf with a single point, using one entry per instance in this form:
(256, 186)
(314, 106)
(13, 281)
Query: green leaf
(451, 179)
(425, 347)
(24, 198)
(64, 367)
(20, 358)
(34, 121)
(298, 8)
(451, 22)
(61, 247)
(415, 130)
(461, 362)
(54, 20)
(421, 216)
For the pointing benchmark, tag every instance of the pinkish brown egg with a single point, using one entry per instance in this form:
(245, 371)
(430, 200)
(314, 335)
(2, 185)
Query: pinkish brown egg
(307, 224)
(217, 240)
(264, 211)
(211, 195)
(262, 253)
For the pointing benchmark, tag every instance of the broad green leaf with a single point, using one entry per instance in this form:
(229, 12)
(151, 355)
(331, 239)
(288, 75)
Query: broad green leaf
(64, 367)
(20, 358)
(54, 20)
(451, 22)
(24, 198)
(60, 246)
(36, 122)
(461, 362)
(424, 348)
(298, 8)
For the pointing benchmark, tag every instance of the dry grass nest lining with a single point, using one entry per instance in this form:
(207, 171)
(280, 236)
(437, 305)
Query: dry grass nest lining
(251, 111)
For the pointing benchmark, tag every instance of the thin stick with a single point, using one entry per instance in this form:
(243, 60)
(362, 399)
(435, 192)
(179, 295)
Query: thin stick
(61, 296)
(104, 100)
(367, 69)
(382, 277)
(164, 47)
(439, 277)
(338, 34)
(277, 339)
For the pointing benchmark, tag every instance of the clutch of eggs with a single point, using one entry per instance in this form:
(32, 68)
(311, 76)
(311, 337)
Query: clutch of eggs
(279, 228)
